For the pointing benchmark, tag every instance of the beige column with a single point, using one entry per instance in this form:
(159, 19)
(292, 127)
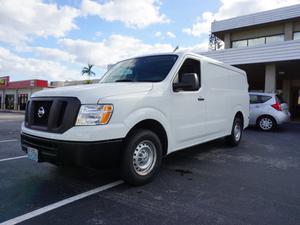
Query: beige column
(16, 100)
(227, 40)
(270, 78)
(4, 99)
(288, 31)
(286, 91)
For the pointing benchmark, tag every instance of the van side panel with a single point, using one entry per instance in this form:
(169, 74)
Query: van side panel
(226, 94)
(239, 97)
(217, 98)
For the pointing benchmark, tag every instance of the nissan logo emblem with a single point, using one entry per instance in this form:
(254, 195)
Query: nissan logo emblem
(41, 112)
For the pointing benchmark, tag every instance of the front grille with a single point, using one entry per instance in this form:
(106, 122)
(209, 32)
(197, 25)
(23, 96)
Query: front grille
(41, 119)
(55, 115)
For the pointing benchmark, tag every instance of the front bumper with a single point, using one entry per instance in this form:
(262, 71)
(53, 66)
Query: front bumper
(86, 154)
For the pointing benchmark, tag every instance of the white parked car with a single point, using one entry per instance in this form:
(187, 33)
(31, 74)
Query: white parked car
(267, 110)
(144, 108)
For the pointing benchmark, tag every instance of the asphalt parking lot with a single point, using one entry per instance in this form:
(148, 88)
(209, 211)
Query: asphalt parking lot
(255, 183)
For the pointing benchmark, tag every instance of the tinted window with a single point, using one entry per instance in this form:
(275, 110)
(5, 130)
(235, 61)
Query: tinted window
(256, 41)
(258, 99)
(190, 66)
(239, 44)
(253, 99)
(143, 69)
(275, 38)
(297, 36)
(264, 99)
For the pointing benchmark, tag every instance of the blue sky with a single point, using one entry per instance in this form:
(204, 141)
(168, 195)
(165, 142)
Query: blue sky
(53, 40)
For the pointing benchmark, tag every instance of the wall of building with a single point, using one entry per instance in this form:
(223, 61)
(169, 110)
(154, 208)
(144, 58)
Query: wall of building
(296, 26)
(287, 28)
(16, 93)
(257, 32)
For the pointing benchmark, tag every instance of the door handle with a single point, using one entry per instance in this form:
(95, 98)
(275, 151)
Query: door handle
(201, 99)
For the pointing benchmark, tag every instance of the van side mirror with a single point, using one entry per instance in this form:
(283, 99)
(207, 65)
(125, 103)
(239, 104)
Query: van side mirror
(187, 82)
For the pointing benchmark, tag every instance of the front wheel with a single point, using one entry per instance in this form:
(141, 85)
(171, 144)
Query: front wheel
(142, 157)
(236, 132)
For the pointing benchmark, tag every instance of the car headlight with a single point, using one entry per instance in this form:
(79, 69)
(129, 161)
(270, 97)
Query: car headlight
(99, 114)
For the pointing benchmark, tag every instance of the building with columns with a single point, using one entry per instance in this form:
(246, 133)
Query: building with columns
(267, 46)
(14, 94)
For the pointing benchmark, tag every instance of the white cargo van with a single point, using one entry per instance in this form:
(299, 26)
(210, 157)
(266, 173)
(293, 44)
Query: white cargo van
(143, 109)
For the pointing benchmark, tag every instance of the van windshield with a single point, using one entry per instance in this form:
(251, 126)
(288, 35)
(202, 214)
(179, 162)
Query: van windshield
(143, 69)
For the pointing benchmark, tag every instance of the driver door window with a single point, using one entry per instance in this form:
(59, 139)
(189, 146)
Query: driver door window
(189, 66)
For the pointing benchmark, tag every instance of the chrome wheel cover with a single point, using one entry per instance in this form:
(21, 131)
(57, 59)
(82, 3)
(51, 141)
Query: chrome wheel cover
(144, 157)
(266, 123)
(237, 131)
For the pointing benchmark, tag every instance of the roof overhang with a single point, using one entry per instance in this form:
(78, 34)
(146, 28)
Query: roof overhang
(277, 52)
(275, 15)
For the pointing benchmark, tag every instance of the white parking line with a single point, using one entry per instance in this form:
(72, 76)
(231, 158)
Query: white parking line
(12, 158)
(11, 140)
(56, 205)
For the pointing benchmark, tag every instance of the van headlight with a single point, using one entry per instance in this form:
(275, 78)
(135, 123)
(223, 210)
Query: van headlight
(99, 114)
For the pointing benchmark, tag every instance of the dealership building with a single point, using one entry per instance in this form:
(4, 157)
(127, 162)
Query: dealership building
(267, 46)
(14, 95)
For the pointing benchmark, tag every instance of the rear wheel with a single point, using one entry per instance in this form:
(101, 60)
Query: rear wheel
(266, 123)
(142, 157)
(236, 132)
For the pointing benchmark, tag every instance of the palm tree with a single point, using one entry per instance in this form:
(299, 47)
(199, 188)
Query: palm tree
(88, 71)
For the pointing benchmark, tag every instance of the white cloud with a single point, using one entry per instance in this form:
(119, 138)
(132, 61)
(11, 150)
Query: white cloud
(202, 47)
(32, 68)
(110, 50)
(133, 13)
(233, 8)
(52, 54)
(158, 34)
(98, 34)
(165, 35)
(170, 34)
(202, 26)
(20, 21)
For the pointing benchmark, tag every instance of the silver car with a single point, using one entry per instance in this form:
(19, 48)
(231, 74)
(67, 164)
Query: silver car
(267, 110)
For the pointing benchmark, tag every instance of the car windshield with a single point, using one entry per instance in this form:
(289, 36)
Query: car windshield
(143, 69)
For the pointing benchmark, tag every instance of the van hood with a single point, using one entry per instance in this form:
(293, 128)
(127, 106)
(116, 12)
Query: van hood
(91, 93)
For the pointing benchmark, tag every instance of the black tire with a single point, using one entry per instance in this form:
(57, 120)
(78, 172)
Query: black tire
(266, 123)
(234, 138)
(139, 142)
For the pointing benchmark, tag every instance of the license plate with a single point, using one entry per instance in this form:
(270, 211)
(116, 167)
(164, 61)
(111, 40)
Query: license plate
(33, 154)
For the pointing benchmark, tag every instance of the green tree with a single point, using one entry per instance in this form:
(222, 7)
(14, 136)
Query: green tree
(87, 70)
(214, 42)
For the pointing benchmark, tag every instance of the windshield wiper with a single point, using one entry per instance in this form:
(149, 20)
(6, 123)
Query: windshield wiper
(124, 80)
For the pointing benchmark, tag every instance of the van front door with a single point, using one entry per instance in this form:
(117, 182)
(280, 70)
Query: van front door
(187, 108)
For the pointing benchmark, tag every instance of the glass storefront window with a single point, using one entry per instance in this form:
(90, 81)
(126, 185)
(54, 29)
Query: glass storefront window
(297, 36)
(9, 101)
(239, 44)
(256, 41)
(22, 101)
(262, 40)
(275, 38)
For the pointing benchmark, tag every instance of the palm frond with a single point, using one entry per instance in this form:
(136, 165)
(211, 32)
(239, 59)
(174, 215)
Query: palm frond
(88, 70)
